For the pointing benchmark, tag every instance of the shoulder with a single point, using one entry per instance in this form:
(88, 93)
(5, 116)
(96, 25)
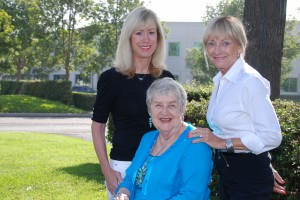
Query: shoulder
(200, 147)
(110, 73)
(166, 73)
(150, 135)
(250, 78)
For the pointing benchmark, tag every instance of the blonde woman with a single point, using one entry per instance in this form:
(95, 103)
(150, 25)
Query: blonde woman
(122, 92)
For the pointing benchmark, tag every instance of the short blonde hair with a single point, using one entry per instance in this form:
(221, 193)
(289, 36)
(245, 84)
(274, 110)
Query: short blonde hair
(139, 17)
(229, 26)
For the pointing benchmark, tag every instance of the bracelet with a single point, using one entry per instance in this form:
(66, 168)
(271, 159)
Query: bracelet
(229, 146)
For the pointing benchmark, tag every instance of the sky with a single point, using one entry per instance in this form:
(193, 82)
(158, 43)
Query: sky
(192, 10)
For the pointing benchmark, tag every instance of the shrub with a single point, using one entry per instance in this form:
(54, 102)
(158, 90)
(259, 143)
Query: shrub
(52, 90)
(84, 101)
(286, 158)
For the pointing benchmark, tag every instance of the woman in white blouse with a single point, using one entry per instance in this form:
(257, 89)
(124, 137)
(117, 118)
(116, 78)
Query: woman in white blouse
(243, 123)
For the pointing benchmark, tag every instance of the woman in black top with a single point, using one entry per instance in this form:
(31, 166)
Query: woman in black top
(122, 92)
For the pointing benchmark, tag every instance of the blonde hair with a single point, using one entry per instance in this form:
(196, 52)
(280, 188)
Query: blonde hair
(137, 18)
(228, 26)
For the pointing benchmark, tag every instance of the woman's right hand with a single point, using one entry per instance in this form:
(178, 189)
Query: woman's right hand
(112, 180)
(120, 196)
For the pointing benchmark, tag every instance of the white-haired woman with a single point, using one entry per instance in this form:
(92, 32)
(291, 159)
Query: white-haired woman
(167, 165)
(122, 92)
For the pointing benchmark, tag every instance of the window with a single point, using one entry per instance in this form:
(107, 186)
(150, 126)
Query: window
(82, 80)
(290, 85)
(197, 44)
(174, 49)
(59, 77)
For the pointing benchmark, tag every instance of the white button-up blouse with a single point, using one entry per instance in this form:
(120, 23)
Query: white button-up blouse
(240, 107)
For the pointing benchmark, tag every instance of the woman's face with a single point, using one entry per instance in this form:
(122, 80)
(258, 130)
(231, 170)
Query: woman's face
(144, 41)
(222, 52)
(166, 112)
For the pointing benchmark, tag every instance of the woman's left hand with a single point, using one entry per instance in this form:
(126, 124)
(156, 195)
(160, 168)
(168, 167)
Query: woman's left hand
(205, 135)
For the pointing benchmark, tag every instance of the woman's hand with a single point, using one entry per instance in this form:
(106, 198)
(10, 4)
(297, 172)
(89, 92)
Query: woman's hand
(123, 194)
(120, 196)
(112, 180)
(205, 135)
(278, 180)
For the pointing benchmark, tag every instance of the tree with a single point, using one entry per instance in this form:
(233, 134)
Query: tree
(202, 71)
(60, 18)
(6, 31)
(23, 21)
(266, 35)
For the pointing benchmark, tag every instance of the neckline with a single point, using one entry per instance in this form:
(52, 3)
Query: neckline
(140, 78)
(174, 142)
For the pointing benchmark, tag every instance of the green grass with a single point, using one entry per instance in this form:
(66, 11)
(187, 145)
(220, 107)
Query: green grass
(30, 104)
(48, 166)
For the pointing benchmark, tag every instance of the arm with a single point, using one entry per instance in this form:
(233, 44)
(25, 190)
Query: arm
(196, 168)
(112, 177)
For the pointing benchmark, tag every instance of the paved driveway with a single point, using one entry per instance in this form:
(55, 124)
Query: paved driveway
(66, 125)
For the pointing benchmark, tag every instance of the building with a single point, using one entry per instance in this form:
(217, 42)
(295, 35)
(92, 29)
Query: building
(184, 35)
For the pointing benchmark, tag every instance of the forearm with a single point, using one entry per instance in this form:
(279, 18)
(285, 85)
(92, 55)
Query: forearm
(99, 141)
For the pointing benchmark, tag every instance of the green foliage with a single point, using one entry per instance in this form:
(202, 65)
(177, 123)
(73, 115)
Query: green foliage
(225, 7)
(202, 71)
(6, 31)
(198, 92)
(30, 104)
(286, 158)
(48, 166)
(52, 90)
(84, 101)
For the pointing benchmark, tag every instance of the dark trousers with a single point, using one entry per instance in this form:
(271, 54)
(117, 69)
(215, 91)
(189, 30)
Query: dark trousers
(244, 176)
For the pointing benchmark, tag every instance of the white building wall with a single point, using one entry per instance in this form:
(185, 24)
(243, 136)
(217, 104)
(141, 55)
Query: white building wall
(187, 34)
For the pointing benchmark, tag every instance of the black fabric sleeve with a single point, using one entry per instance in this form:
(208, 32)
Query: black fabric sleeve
(105, 95)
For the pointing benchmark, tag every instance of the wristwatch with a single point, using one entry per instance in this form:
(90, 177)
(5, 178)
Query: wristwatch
(229, 146)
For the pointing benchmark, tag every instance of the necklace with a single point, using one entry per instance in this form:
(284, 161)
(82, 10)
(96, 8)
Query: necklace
(141, 78)
(143, 170)
(141, 173)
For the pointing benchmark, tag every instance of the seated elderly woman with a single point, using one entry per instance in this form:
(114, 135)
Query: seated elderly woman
(167, 165)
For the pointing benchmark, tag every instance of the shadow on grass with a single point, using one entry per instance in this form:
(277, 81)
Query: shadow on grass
(89, 171)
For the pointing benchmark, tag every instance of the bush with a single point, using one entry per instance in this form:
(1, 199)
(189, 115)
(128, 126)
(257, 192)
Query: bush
(84, 101)
(52, 90)
(286, 158)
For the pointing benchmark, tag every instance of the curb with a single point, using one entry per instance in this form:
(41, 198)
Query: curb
(45, 115)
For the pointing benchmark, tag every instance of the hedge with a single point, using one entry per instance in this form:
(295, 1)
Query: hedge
(52, 90)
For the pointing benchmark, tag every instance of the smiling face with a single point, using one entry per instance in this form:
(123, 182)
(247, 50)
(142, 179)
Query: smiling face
(144, 41)
(222, 52)
(166, 112)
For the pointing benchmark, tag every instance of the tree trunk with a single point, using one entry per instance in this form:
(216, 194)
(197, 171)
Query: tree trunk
(265, 23)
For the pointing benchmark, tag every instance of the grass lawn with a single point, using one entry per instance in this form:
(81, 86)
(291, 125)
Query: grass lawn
(48, 166)
(30, 104)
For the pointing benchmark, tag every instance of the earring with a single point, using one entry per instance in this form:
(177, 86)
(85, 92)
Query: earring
(238, 55)
(150, 120)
